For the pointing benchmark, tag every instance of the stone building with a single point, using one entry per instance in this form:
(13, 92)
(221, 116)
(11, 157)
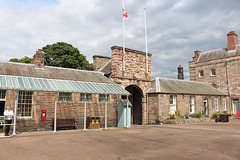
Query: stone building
(220, 68)
(35, 88)
(135, 77)
(151, 98)
(166, 96)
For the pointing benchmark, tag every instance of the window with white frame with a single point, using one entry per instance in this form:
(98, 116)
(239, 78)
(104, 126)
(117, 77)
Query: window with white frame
(224, 104)
(216, 104)
(213, 72)
(88, 97)
(2, 94)
(172, 104)
(65, 96)
(102, 98)
(192, 104)
(25, 104)
(201, 73)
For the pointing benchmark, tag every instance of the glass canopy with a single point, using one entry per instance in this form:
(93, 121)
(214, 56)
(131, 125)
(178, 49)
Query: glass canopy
(56, 85)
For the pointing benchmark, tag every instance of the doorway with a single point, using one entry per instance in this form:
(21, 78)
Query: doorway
(2, 107)
(205, 109)
(136, 100)
(235, 106)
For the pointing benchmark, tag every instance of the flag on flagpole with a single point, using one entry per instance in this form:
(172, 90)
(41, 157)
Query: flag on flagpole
(125, 14)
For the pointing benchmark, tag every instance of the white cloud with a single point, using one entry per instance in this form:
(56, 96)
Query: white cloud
(176, 28)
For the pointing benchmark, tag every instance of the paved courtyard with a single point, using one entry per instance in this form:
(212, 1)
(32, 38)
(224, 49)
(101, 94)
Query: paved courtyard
(205, 140)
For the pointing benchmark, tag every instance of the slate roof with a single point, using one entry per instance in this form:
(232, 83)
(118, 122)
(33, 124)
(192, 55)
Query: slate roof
(175, 86)
(29, 70)
(218, 54)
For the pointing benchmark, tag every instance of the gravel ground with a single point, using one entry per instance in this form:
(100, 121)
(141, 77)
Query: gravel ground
(205, 140)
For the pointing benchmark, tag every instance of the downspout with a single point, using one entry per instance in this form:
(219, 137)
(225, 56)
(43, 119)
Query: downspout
(229, 93)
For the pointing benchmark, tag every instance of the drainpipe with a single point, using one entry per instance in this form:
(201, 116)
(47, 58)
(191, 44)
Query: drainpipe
(230, 100)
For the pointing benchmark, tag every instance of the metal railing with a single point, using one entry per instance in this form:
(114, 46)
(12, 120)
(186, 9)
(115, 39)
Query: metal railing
(2, 121)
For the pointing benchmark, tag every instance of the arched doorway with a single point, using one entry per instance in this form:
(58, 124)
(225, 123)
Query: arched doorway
(136, 101)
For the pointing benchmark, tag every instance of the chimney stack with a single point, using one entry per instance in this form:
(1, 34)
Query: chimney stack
(38, 59)
(180, 72)
(232, 40)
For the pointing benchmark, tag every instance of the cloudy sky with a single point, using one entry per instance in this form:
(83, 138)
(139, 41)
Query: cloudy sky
(176, 28)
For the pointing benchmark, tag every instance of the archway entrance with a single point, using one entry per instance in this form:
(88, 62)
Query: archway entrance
(136, 101)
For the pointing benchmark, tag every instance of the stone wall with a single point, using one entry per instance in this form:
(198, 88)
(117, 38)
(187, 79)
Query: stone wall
(135, 64)
(99, 61)
(220, 80)
(159, 105)
(72, 109)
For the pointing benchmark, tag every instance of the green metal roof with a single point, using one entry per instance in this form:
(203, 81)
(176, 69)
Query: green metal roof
(55, 85)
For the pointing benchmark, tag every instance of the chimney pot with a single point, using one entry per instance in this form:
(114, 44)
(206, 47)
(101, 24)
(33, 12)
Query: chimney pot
(180, 72)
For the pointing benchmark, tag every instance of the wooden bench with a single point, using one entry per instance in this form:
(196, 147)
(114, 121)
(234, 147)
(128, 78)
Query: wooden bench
(65, 123)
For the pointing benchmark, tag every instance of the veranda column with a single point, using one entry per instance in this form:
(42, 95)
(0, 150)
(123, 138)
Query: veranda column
(106, 112)
(85, 112)
(55, 116)
(15, 113)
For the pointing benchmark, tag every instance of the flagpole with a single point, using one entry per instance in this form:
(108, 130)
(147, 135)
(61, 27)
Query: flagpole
(123, 58)
(145, 17)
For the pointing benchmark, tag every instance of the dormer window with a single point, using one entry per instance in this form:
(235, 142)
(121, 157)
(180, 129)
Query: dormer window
(213, 72)
(201, 73)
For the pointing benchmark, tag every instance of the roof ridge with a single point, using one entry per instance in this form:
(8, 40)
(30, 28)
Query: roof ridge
(213, 50)
(63, 68)
(181, 80)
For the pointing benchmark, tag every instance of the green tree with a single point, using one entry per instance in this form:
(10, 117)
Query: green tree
(23, 60)
(62, 54)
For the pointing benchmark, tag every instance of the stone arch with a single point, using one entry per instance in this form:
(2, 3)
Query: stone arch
(136, 100)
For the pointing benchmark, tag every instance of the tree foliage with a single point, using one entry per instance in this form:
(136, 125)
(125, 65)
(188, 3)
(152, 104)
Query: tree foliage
(62, 54)
(23, 60)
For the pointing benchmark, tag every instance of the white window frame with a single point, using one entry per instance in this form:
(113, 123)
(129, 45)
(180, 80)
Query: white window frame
(24, 102)
(224, 101)
(192, 104)
(200, 73)
(172, 101)
(3, 95)
(102, 97)
(216, 104)
(88, 97)
(234, 102)
(211, 72)
(65, 97)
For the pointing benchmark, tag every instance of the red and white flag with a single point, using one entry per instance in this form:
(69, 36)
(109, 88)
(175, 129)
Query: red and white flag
(125, 14)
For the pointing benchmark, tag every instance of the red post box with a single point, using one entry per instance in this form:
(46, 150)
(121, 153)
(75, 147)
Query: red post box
(238, 115)
(43, 115)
